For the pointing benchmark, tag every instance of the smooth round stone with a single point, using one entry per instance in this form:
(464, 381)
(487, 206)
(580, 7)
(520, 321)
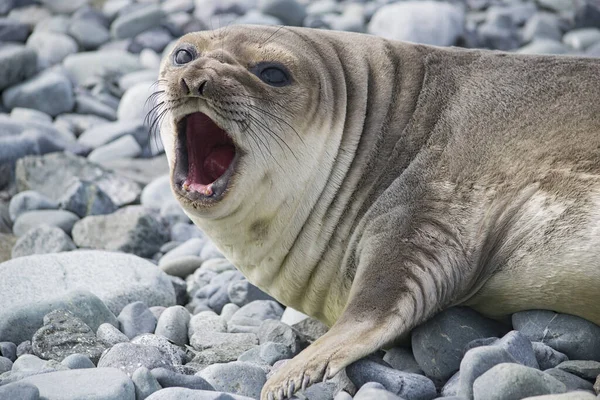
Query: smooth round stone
(426, 22)
(20, 391)
(89, 65)
(210, 251)
(576, 337)
(587, 15)
(514, 382)
(111, 335)
(92, 14)
(64, 6)
(24, 348)
(255, 17)
(86, 103)
(290, 12)
(206, 321)
(52, 47)
(128, 357)
(191, 247)
(174, 353)
(43, 239)
(179, 393)
(88, 34)
(102, 134)
(78, 123)
(34, 93)
(402, 359)
(130, 24)
(55, 24)
(544, 46)
(476, 362)
(181, 266)
(77, 361)
(438, 343)
(168, 378)
(133, 105)
(89, 383)
(181, 232)
(145, 383)
(5, 365)
(133, 78)
(173, 324)
(157, 192)
(581, 39)
(8, 350)
(33, 219)
(136, 319)
(571, 381)
(155, 39)
(243, 292)
(149, 59)
(86, 198)
(228, 311)
(578, 395)
(30, 15)
(29, 200)
(17, 63)
(586, 369)
(405, 385)
(28, 114)
(174, 6)
(374, 390)
(236, 377)
(542, 25)
(124, 147)
(13, 31)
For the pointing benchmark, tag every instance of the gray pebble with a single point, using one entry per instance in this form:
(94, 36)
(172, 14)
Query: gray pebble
(28, 114)
(544, 46)
(131, 230)
(128, 25)
(542, 25)
(267, 353)
(228, 311)
(572, 382)
(86, 103)
(89, 34)
(157, 193)
(17, 63)
(13, 31)
(168, 378)
(577, 338)
(402, 359)
(5, 365)
(181, 266)
(24, 348)
(252, 314)
(514, 382)
(581, 39)
(157, 311)
(233, 344)
(51, 47)
(276, 331)
(43, 239)
(64, 334)
(243, 292)
(438, 343)
(191, 247)
(345, 396)
(89, 65)
(145, 383)
(476, 362)
(136, 319)
(86, 198)
(124, 147)
(20, 391)
(128, 357)
(585, 369)
(210, 251)
(101, 134)
(409, 386)
(176, 393)
(451, 388)
(173, 324)
(236, 377)
(310, 328)
(546, 356)
(518, 346)
(78, 361)
(155, 39)
(175, 354)
(110, 335)
(35, 92)
(32, 219)
(323, 391)
(374, 390)
(8, 350)
(182, 232)
(290, 12)
(77, 384)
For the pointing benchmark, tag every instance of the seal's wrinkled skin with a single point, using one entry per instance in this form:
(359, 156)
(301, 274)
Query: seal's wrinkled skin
(388, 181)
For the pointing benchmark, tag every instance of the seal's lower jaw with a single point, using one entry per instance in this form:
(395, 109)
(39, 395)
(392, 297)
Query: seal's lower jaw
(205, 160)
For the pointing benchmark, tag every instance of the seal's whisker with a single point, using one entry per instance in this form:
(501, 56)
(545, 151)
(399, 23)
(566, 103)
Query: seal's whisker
(276, 118)
(273, 134)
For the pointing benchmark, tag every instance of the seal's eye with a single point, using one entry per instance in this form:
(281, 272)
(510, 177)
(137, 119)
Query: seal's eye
(183, 56)
(272, 74)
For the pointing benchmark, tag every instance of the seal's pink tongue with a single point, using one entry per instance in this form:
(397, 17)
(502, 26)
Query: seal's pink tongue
(217, 161)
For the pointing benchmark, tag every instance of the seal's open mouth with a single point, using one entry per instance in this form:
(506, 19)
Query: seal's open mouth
(205, 157)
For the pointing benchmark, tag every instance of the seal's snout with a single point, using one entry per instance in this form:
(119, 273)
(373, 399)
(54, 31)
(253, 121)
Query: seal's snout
(192, 88)
(205, 158)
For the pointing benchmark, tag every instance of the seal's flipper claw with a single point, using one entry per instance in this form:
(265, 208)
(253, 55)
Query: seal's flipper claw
(291, 388)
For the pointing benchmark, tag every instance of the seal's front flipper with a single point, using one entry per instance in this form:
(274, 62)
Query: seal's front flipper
(347, 341)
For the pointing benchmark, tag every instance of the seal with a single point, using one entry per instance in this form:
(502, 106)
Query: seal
(372, 183)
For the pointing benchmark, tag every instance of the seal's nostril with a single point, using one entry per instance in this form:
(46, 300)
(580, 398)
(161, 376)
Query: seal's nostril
(184, 86)
(201, 88)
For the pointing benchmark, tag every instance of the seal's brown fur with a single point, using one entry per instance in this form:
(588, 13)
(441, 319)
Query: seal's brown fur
(447, 177)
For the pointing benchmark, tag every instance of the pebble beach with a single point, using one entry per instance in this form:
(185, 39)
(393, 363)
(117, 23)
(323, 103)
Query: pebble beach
(108, 291)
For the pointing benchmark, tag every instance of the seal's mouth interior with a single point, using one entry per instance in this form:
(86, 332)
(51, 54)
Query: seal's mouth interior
(205, 155)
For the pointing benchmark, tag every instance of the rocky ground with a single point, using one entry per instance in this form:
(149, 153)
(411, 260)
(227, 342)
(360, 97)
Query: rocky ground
(107, 291)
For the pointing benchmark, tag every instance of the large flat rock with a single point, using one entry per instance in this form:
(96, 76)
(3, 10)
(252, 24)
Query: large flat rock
(116, 278)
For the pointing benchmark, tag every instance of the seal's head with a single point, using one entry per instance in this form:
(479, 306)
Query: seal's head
(236, 103)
